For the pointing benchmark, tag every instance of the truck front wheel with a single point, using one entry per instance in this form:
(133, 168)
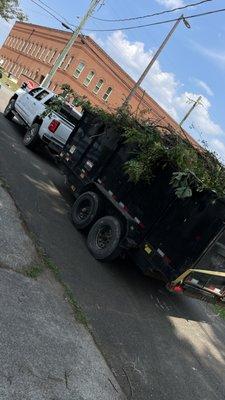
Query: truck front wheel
(86, 210)
(104, 238)
(31, 138)
(8, 113)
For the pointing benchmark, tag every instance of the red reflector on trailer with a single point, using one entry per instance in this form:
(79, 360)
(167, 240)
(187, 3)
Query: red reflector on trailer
(177, 289)
(53, 125)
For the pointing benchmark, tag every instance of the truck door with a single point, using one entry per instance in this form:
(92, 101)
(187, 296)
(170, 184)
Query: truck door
(23, 103)
(31, 104)
(35, 105)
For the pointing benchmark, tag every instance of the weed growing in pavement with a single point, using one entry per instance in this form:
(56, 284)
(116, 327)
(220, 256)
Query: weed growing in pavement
(78, 312)
(220, 311)
(3, 183)
(34, 271)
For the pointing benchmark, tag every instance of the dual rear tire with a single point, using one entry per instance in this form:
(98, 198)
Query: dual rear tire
(105, 232)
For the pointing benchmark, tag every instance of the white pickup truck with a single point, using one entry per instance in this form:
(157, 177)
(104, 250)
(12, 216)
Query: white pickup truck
(53, 129)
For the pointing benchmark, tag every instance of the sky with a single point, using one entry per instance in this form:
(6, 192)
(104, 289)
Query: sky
(192, 64)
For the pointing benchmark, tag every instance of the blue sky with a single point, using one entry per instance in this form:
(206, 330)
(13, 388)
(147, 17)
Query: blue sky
(192, 64)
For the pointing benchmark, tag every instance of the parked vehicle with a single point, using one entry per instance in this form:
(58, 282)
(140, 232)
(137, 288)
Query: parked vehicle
(181, 241)
(53, 129)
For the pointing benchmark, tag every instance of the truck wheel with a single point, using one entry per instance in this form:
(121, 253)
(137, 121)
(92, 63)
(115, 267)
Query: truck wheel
(86, 210)
(31, 138)
(104, 238)
(8, 113)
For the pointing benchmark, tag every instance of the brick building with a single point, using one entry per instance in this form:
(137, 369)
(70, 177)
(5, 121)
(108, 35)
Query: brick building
(30, 51)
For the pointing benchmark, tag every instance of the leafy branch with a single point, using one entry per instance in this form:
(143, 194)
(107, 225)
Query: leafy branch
(152, 146)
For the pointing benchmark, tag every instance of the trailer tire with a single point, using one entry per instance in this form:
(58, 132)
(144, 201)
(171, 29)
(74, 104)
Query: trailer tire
(104, 238)
(31, 138)
(86, 210)
(8, 113)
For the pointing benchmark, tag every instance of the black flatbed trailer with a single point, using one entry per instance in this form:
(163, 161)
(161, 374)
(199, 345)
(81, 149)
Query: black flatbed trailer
(167, 237)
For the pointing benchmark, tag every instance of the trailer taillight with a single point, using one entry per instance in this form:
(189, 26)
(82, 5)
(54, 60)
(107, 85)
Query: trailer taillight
(53, 126)
(175, 288)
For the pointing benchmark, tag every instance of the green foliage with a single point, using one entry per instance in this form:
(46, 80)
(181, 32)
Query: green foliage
(154, 146)
(34, 271)
(9, 9)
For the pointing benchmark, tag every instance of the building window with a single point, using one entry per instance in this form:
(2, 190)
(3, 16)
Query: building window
(11, 41)
(41, 53)
(46, 55)
(33, 50)
(15, 44)
(89, 78)
(107, 94)
(18, 44)
(38, 50)
(52, 55)
(7, 41)
(68, 63)
(79, 69)
(98, 86)
(21, 45)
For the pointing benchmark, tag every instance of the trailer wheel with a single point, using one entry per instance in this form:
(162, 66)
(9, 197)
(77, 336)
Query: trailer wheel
(104, 238)
(8, 113)
(86, 210)
(31, 138)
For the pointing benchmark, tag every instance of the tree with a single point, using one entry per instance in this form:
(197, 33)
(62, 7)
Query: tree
(9, 9)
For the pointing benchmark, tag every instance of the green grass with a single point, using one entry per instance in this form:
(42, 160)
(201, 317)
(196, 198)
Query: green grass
(78, 312)
(9, 83)
(220, 311)
(34, 271)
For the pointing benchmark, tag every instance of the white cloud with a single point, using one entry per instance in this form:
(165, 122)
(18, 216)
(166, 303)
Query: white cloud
(217, 56)
(171, 3)
(219, 147)
(200, 117)
(203, 85)
(164, 87)
(161, 85)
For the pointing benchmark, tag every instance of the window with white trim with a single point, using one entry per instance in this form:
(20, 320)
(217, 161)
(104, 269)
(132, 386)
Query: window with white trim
(46, 55)
(79, 69)
(98, 86)
(7, 41)
(29, 48)
(68, 63)
(34, 49)
(41, 53)
(52, 55)
(89, 78)
(26, 46)
(107, 93)
(38, 51)
(21, 45)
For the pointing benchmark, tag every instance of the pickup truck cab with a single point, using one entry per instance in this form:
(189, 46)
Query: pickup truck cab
(53, 129)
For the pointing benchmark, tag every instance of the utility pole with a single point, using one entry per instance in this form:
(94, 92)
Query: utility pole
(196, 103)
(153, 60)
(70, 43)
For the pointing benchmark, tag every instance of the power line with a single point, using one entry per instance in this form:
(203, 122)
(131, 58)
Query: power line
(50, 13)
(154, 14)
(56, 12)
(156, 23)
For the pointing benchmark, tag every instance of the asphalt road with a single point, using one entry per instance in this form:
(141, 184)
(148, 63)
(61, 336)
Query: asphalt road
(159, 346)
